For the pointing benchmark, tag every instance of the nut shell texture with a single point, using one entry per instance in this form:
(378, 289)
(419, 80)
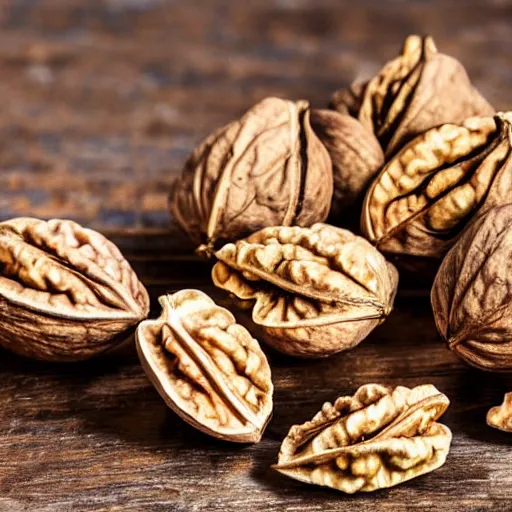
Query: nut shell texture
(427, 193)
(66, 292)
(356, 158)
(472, 293)
(500, 417)
(268, 168)
(316, 291)
(207, 368)
(416, 91)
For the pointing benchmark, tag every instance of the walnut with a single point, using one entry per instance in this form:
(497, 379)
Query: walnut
(207, 368)
(472, 293)
(500, 417)
(268, 168)
(356, 158)
(66, 292)
(316, 291)
(378, 438)
(416, 91)
(427, 193)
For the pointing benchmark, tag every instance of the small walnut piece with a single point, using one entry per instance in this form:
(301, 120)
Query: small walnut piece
(356, 158)
(268, 168)
(418, 90)
(66, 292)
(426, 194)
(378, 438)
(207, 368)
(472, 293)
(500, 417)
(316, 291)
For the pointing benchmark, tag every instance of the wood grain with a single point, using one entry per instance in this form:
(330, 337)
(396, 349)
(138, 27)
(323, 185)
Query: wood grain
(102, 100)
(96, 435)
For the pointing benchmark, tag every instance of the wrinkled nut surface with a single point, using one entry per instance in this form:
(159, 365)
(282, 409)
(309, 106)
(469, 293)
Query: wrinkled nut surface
(316, 291)
(66, 292)
(268, 168)
(356, 158)
(472, 293)
(378, 438)
(418, 90)
(423, 198)
(500, 417)
(207, 368)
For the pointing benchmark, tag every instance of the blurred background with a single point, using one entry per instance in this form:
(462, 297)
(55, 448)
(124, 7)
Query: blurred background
(103, 100)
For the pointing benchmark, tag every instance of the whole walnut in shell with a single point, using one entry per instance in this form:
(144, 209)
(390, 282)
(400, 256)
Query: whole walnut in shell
(356, 158)
(315, 291)
(267, 168)
(412, 93)
(472, 293)
(426, 194)
(66, 292)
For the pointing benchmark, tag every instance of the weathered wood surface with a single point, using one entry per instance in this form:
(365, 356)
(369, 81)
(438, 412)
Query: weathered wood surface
(101, 103)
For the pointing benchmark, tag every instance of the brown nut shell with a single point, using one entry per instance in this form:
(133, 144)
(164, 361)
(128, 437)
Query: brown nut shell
(268, 168)
(377, 438)
(500, 417)
(66, 292)
(416, 91)
(426, 194)
(316, 291)
(472, 293)
(356, 158)
(207, 368)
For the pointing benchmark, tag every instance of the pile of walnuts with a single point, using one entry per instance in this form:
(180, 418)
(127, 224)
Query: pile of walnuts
(421, 162)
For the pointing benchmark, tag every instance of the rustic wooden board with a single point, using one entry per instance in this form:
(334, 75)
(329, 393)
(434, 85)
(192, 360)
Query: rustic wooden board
(102, 100)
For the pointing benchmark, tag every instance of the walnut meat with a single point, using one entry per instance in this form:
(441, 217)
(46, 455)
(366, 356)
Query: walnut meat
(378, 438)
(356, 158)
(66, 292)
(426, 194)
(500, 417)
(268, 168)
(207, 368)
(472, 293)
(316, 291)
(418, 90)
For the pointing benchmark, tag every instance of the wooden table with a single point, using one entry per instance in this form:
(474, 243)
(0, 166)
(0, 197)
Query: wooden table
(101, 103)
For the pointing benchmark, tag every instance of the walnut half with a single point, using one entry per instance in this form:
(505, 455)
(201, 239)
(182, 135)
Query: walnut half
(436, 184)
(316, 291)
(500, 417)
(207, 368)
(66, 292)
(377, 438)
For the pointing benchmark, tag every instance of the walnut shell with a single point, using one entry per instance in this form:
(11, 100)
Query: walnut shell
(66, 292)
(472, 293)
(416, 91)
(500, 417)
(268, 168)
(356, 158)
(378, 438)
(316, 291)
(423, 198)
(207, 368)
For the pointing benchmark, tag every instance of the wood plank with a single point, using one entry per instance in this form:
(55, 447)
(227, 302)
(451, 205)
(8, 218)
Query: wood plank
(104, 100)
(96, 435)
